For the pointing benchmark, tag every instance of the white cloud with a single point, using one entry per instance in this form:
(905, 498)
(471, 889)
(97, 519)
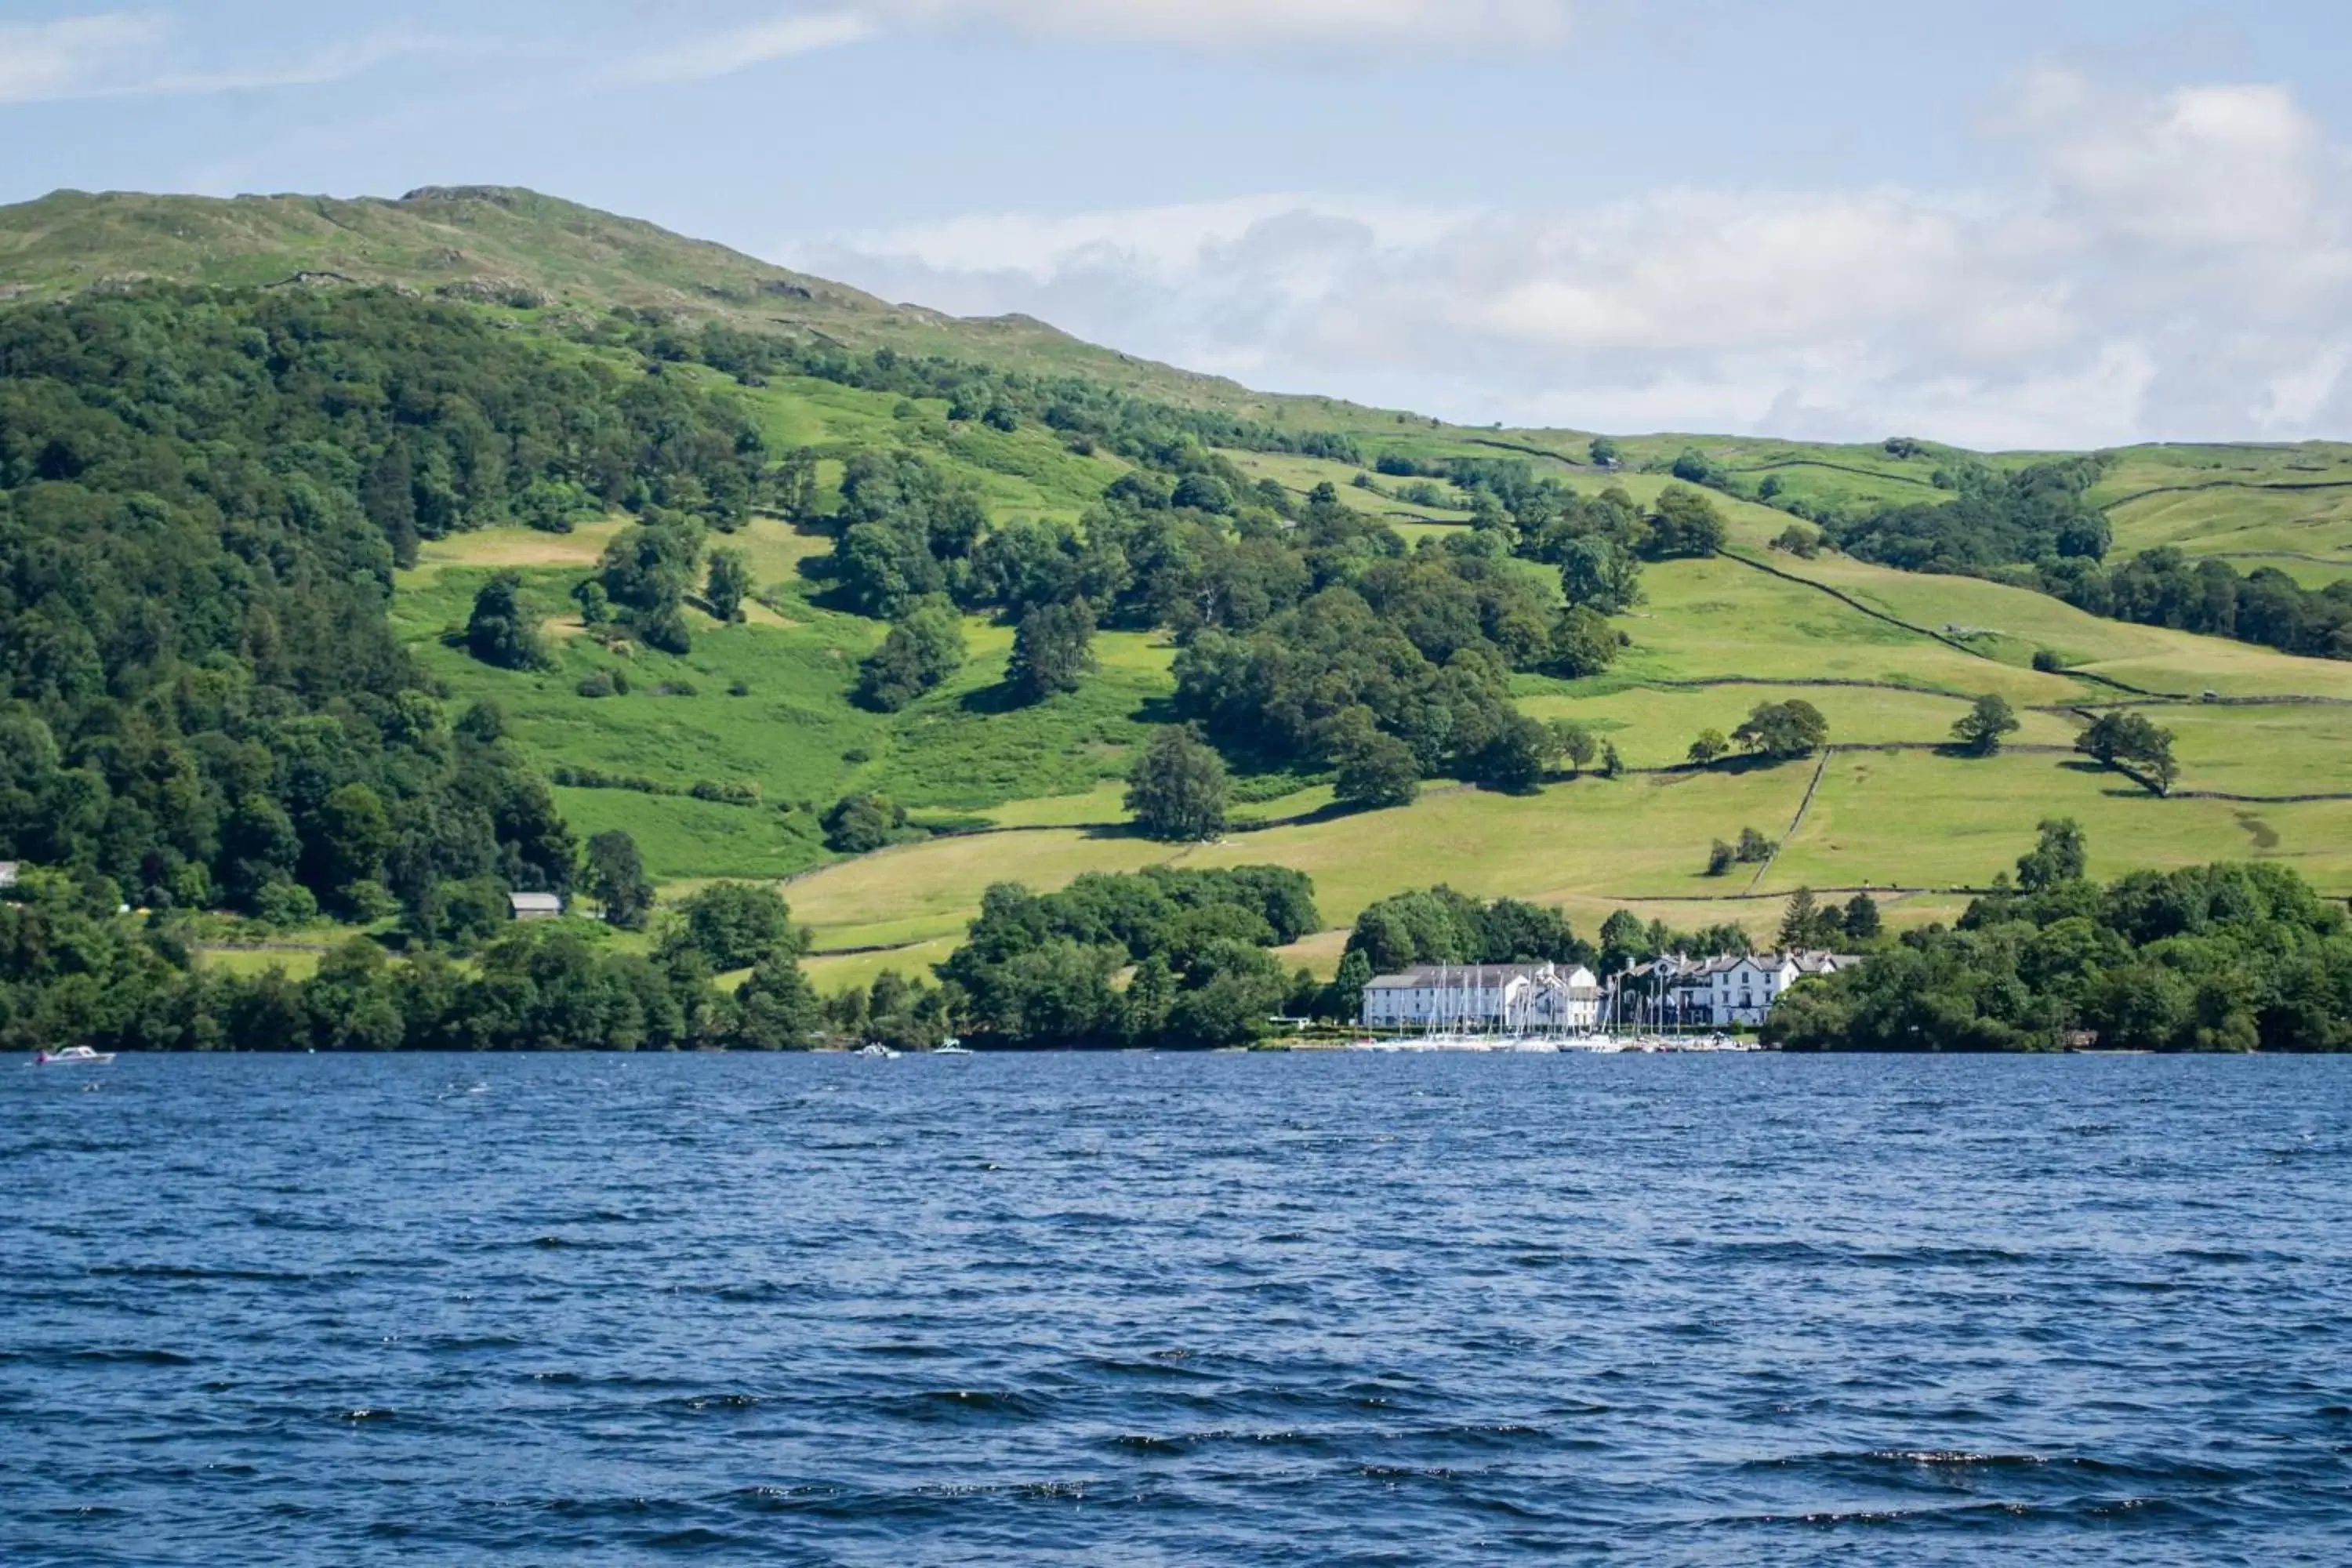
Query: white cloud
(1245, 24)
(2174, 264)
(709, 55)
(125, 54)
(1203, 25)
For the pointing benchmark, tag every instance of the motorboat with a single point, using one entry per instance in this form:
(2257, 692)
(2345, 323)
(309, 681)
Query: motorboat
(71, 1056)
(876, 1048)
(952, 1047)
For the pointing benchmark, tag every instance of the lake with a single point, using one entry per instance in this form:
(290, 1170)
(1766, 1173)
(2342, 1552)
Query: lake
(1157, 1309)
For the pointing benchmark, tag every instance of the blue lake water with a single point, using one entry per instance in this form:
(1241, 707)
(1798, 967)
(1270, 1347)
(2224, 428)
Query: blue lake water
(1176, 1309)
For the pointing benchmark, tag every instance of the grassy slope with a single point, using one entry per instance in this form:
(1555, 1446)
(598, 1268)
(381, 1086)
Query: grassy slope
(1709, 632)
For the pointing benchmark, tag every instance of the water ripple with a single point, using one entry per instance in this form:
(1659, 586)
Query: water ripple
(1164, 1309)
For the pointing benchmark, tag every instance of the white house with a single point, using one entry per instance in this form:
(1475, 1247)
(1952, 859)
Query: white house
(7, 873)
(1502, 997)
(535, 906)
(1716, 993)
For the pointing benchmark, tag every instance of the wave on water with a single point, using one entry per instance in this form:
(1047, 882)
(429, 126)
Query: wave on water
(1240, 1310)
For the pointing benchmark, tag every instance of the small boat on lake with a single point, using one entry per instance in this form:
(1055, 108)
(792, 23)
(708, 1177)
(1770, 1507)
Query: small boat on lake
(874, 1048)
(71, 1056)
(952, 1047)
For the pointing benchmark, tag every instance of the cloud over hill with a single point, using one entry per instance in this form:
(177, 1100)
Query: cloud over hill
(2158, 265)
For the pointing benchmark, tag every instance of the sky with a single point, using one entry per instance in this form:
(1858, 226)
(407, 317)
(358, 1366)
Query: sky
(2063, 222)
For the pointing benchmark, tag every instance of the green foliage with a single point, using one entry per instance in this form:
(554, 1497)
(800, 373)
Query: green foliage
(860, 824)
(2131, 743)
(1684, 522)
(1052, 651)
(1442, 926)
(2223, 957)
(925, 648)
(1710, 746)
(2059, 855)
(1783, 730)
(1041, 971)
(1720, 858)
(1603, 452)
(1988, 720)
(1177, 789)
(1582, 643)
(1599, 574)
(1577, 742)
(731, 925)
(1807, 923)
(1755, 849)
(727, 585)
(616, 878)
(776, 1009)
(1803, 543)
(1375, 769)
(500, 631)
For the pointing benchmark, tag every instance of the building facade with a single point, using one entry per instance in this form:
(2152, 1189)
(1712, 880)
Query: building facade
(1492, 998)
(1675, 992)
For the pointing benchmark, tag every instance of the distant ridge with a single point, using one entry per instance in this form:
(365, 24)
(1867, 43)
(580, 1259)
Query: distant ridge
(504, 245)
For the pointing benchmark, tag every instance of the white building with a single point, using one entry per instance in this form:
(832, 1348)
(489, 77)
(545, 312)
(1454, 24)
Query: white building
(1716, 993)
(1504, 998)
(7, 873)
(534, 906)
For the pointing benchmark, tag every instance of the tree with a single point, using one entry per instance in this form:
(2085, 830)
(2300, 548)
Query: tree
(354, 835)
(1783, 730)
(1599, 574)
(1577, 742)
(1979, 730)
(1052, 649)
(1520, 754)
(1376, 770)
(1345, 999)
(1582, 643)
(859, 824)
(1720, 857)
(1807, 923)
(732, 925)
(1611, 765)
(2059, 856)
(500, 631)
(2125, 741)
(924, 649)
(729, 583)
(1798, 541)
(616, 879)
(1684, 522)
(776, 1009)
(1754, 847)
(1178, 788)
(1709, 747)
(1603, 452)
(1861, 920)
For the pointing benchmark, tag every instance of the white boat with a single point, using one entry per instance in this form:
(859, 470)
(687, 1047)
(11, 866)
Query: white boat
(71, 1056)
(876, 1048)
(952, 1047)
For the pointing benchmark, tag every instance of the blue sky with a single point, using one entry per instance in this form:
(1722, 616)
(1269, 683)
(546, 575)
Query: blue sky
(2063, 222)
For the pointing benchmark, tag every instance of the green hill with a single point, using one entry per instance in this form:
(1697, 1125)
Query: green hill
(722, 760)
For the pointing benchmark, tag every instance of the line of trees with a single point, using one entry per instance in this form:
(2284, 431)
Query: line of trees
(75, 971)
(2233, 957)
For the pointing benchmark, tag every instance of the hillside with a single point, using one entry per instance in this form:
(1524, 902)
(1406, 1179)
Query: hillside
(722, 760)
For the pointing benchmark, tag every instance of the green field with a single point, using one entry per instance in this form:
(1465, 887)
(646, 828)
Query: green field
(1891, 659)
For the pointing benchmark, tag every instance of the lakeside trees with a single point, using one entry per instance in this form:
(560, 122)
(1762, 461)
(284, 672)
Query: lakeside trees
(2221, 957)
(1043, 970)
